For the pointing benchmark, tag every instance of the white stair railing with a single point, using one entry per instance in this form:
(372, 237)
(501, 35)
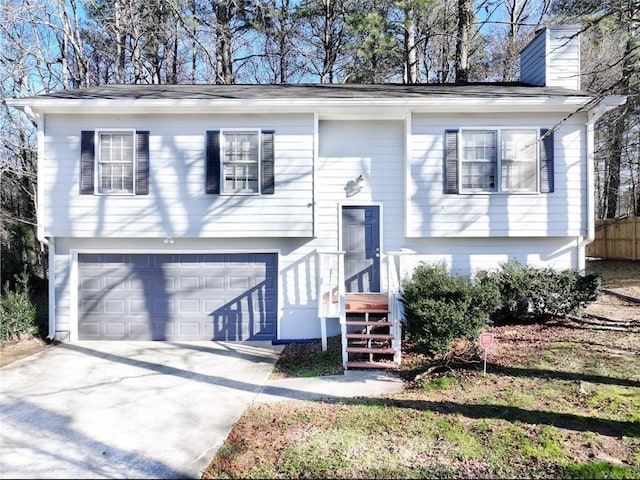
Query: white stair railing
(395, 276)
(331, 291)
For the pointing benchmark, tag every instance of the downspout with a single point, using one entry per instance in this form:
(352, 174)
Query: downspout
(593, 115)
(38, 119)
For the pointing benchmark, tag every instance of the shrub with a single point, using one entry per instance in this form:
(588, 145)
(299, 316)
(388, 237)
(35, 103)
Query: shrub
(531, 294)
(17, 312)
(440, 307)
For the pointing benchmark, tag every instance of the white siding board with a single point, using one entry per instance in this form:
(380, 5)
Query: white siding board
(177, 181)
(552, 58)
(432, 213)
(467, 256)
(374, 149)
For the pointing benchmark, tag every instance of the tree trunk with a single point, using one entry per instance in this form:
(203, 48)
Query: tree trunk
(465, 17)
(612, 182)
(411, 73)
(224, 62)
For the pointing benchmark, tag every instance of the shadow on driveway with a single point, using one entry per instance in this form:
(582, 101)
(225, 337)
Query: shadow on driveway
(126, 409)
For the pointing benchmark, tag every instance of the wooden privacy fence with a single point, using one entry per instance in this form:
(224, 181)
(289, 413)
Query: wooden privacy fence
(617, 239)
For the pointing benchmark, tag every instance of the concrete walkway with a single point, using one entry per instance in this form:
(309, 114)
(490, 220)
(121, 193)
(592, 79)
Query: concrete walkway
(143, 409)
(354, 383)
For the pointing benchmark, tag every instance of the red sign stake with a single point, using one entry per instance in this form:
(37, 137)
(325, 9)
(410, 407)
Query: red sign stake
(486, 341)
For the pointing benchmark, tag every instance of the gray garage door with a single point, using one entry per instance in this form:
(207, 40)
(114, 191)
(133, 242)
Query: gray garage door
(177, 297)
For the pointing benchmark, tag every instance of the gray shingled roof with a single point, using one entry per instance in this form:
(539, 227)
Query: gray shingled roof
(308, 91)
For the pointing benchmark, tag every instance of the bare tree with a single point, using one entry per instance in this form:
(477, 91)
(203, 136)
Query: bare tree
(465, 20)
(611, 65)
(323, 24)
(26, 68)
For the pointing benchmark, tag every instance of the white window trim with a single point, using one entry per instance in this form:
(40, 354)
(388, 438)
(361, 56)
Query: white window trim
(498, 180)
(96, 162)
(223, 131)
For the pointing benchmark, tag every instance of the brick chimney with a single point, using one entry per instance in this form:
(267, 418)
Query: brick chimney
(552, 58)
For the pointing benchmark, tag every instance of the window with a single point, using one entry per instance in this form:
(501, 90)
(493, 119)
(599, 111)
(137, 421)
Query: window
(118, 165)
(479, 160)
(519, 161)
(240, 162)
(115, 162)
(499, 160)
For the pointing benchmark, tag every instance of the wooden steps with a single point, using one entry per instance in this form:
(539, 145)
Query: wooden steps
(380, 365)
(369, 336)
(373, 345)
(373, 350)
(364, 323)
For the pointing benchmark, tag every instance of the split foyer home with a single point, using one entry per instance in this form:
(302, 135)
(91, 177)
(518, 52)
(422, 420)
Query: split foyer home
(279, 212)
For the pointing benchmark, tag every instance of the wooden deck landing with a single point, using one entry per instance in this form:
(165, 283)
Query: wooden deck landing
(365, 302)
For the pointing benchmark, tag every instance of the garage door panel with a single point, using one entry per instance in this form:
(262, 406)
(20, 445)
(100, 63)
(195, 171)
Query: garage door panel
(115, 306)
(91, 284)
(139, 330)
(89, 329)
(213, 283)
(177, 297)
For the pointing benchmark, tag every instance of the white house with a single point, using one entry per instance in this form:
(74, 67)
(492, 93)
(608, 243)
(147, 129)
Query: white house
(219, 211)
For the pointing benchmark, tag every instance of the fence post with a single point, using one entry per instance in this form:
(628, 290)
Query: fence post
(634, 249)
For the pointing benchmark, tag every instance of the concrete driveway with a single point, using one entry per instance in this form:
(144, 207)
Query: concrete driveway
(126, 409)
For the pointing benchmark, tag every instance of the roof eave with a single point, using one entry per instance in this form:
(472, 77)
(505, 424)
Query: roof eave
(431, 104)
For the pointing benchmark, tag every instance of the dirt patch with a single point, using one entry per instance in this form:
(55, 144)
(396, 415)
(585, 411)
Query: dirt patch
(622, 276)
(614, 308)
(17, 349)
(619, 275)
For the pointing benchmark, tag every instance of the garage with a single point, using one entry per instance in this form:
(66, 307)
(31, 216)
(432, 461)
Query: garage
(177, 296)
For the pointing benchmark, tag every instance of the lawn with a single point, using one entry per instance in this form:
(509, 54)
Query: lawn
(559, 400)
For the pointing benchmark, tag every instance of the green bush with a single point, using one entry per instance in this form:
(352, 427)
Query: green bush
(532, 294)
(440, 307)
(17, 312)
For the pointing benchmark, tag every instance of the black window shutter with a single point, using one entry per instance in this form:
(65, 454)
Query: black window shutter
(213, 161)
(268, 175)
(142, 163)
(87, 161)
(451, 161)
(546, 161)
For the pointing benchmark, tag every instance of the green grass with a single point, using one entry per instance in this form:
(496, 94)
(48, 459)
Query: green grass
(599, 470)
(568, 411)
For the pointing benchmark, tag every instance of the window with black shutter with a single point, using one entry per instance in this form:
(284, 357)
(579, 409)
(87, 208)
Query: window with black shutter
(240, 162)
(504, 160)
(114, 162)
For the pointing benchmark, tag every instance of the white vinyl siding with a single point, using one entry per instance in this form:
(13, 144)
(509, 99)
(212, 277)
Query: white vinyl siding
(298, 314)
(552, 58)
(433, 213)
(465, 232)
(373, 149)
(532, 61)
(177, 204)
